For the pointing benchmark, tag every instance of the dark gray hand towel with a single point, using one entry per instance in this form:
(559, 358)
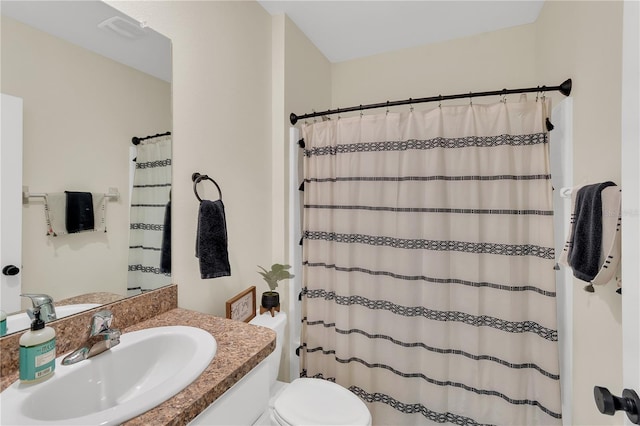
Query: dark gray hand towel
(165, 254)
(584, 253)
(79, 212)
(211, 240)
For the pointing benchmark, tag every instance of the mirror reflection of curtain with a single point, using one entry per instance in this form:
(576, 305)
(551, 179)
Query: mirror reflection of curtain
(150, 198)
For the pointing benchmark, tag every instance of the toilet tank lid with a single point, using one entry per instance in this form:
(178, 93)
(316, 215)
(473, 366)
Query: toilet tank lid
(266, 320)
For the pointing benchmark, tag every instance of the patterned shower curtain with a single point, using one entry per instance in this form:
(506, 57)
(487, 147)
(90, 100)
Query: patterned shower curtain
(428, 264)
(149, 198)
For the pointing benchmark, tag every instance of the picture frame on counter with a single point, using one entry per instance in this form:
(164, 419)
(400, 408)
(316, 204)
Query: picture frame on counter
(242, 307)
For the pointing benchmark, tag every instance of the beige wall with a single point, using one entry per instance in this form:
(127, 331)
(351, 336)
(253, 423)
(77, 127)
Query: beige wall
(80, 112)
(488, 61)
(222, 128)
(301, 81)
(576, 39)
(232, 82)
(583, 40)
(237, 75)
(562, 43)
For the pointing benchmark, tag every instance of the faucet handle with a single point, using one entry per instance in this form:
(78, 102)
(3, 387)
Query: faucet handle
(38, 300)
(101, 322)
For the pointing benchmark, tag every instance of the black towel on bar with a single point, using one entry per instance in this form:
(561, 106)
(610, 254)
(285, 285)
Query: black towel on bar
(79, 212)
(584, 253)
(165, 254)
(211, 240)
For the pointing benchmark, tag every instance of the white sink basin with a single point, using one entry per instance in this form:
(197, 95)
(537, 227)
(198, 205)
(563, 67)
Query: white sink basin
(145, 369)
(21, 321)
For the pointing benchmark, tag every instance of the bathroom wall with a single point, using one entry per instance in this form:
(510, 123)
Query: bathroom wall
(237, 75)
(301, 82)
(80, 112)
(233, 89)
(579, 39)
(583, 40)
(488, 61)
(222, 118)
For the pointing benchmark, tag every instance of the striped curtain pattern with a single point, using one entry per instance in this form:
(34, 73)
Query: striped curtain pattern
(428, 280)
(149, 198)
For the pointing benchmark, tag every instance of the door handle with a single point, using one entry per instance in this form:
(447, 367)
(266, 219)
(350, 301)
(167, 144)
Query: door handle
(609, 404)
(10, 270)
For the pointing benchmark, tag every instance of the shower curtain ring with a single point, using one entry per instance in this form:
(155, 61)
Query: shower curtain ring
(504, 96)
(387, 112)
(410, 105)
(470, 98)
(439, 101)
(361, 113)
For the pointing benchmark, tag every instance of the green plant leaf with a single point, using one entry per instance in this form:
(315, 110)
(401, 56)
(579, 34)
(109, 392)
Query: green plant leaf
(277, 273)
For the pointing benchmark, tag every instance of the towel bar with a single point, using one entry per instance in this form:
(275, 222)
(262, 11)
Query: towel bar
(113, 194)
(565, 192)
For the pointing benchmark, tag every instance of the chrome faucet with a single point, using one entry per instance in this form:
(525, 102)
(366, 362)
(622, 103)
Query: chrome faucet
(101, 338)
(44, 302)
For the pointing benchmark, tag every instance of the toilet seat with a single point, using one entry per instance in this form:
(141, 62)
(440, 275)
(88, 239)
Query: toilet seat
(319, 402)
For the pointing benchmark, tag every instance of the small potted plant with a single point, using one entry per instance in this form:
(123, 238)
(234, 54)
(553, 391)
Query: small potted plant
(271, 299)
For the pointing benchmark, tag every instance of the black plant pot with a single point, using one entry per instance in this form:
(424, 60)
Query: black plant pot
(270, 299)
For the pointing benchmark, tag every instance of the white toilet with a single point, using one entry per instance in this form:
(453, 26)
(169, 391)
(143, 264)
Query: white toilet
(259, 399)
(305, 401)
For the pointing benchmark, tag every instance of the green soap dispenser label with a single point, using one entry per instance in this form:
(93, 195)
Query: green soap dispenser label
(37, 361)
(3, 323)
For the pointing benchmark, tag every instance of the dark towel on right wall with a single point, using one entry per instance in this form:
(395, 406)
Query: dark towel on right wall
(584, 253)
(211, 240)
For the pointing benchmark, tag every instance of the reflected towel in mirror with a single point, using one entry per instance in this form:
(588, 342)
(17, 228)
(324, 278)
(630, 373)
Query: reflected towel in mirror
(165, 253)
(55, 208)
(79, 212)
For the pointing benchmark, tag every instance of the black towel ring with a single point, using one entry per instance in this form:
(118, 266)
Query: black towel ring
(196, 178)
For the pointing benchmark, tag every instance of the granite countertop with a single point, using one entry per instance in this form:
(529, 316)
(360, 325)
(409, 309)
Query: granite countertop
(100, 298)
(240, 348)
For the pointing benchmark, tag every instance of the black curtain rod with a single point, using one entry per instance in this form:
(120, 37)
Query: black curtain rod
(136, 140)
(564, 88)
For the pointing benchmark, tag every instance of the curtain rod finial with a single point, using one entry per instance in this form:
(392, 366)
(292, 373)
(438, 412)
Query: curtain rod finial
(293, 119)
(565, 87)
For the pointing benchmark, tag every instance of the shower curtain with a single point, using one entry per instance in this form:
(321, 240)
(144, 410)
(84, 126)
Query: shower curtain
(149, 198)
(428, 264)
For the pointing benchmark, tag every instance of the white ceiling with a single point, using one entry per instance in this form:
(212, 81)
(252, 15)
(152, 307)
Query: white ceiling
(77, 22)
(344, 30)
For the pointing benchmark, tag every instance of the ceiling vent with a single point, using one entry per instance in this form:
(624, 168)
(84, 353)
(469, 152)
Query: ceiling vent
(123, 27)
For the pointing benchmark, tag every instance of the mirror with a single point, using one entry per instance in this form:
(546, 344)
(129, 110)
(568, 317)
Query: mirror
(91, 79)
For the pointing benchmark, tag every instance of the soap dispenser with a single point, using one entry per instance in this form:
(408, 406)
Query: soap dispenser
(3, 323)
(37, 351)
